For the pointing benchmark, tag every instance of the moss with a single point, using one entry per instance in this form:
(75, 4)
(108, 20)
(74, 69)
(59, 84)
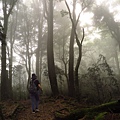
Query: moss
(100, 116)
(92, 112)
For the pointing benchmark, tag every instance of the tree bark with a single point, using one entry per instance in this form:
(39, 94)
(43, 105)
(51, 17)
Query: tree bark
(78, 64)
(71, 87)
(50, 52)
(4, 92)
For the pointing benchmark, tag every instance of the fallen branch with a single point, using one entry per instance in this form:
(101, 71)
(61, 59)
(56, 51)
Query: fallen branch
(65, 114)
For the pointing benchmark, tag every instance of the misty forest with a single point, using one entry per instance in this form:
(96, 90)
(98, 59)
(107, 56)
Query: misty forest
(73, 46)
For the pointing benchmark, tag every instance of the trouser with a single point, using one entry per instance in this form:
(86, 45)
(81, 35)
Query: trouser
(34, 101)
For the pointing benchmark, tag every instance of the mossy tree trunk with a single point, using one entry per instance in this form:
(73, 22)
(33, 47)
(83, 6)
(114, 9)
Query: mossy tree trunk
(113, 107)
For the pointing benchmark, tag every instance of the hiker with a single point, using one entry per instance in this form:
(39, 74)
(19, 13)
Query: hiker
(35, 95)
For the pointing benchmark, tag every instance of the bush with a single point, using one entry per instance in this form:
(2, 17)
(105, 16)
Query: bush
(99, 84)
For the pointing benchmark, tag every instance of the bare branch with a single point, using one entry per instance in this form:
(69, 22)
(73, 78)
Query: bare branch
(13, 3)
(46, 11)
(74, 26)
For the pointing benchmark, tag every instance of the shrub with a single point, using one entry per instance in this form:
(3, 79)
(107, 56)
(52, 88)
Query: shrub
(99, 84)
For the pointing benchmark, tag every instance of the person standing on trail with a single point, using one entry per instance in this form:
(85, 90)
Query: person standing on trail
(34, 94)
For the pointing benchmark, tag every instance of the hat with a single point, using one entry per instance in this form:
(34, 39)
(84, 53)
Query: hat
(34, 75)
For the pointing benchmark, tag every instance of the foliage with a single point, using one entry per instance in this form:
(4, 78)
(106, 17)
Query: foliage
(19, 82)
(100, 84)
(63, 13)
(105, 18)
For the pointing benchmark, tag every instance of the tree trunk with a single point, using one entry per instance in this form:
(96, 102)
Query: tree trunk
(117, 61)
(71, 87)
(79, 43)
(6, 12)
(112, 107)
(12, 39)
(10, 61)
(50, 53)
(65, 60)
(4, 92)
(3, 73)
(27, 43)
(78, 64)
(71, 66)
(76, 73)
(40, 25)
(38, 52)
(10, 72)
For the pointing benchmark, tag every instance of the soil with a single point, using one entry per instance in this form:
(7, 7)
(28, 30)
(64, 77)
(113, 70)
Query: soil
(21, 110)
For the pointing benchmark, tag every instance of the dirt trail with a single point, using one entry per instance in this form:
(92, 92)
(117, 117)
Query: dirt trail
(21, 110)
(46, 112)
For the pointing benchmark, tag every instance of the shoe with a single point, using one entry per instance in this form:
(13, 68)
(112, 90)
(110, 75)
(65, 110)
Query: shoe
(33, 111)
(37, 110)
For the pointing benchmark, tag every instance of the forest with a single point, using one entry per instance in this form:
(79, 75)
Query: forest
(72, 46)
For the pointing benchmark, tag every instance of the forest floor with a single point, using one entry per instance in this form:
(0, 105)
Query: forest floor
(21, 110)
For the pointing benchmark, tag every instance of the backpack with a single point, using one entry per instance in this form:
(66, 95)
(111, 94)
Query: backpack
(32, 87)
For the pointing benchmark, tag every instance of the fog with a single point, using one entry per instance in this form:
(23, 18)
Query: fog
(34, 47)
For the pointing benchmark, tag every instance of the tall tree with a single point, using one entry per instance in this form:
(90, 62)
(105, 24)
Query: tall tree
(103, 15)
(50, 52)
(7, 7)
(71, 88)
(79, 43)
(11, 35)
(74, 24)
(40, 16)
